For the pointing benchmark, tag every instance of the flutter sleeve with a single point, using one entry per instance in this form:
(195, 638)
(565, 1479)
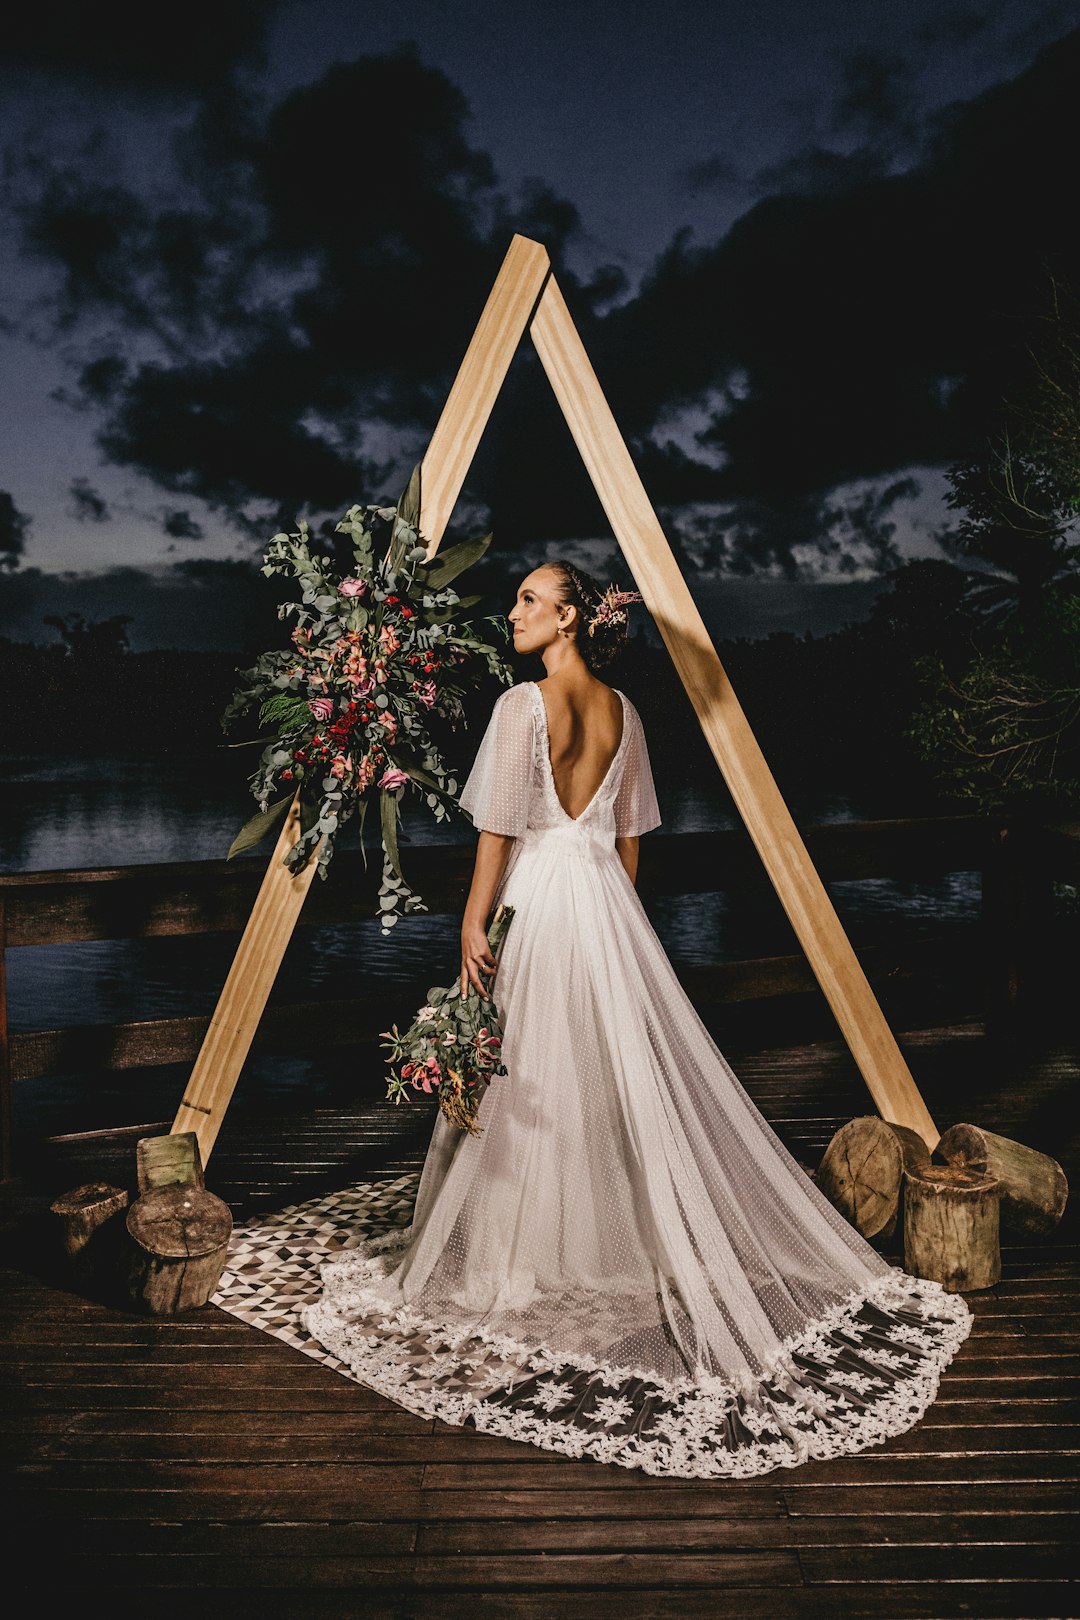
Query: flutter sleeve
(496, 793)
(636, 809)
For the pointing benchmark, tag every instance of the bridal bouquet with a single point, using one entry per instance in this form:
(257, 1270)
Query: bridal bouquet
(453, 1048)
(380, 648)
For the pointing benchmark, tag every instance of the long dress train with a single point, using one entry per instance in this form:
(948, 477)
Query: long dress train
(626, 1264)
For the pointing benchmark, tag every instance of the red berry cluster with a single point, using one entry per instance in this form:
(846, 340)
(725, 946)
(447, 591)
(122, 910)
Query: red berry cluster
(342, 728)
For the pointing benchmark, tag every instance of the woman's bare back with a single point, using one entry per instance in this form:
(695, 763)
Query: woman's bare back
(584, 726)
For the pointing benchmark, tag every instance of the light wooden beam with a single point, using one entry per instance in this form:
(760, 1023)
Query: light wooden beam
(733, 744)
(477, 385)
(243, 998)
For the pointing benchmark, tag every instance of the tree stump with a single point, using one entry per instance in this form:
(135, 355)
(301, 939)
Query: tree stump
(1034, 1189)
(862, 1171)
(951, 1221)
(90, 1234)
(181, 1237)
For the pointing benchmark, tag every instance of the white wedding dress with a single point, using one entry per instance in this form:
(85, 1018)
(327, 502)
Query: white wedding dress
(626, 1264)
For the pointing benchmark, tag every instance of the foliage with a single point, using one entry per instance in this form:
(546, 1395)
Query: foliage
(378, 652)
(1020, 498)
(453, 1048)
(999, 719)
(1003, 728)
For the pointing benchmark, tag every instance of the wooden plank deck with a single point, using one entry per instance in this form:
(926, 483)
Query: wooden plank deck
(199, 1464)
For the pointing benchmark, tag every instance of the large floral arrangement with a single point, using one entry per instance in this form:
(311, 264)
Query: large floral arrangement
(378, 651)
(452, 1050)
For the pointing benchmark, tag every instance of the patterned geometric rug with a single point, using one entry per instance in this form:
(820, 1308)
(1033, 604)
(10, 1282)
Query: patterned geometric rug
(274, 1265)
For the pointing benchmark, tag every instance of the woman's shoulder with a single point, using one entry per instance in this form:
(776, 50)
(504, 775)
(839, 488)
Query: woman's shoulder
(518, 696)
(517, 704)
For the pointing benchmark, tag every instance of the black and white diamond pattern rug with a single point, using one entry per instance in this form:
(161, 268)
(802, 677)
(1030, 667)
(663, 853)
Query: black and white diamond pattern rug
(273, 1269)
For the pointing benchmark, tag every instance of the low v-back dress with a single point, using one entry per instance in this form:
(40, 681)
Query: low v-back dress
(626, 1264)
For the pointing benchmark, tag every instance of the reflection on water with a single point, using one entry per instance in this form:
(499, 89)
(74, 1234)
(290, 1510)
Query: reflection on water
(124, 811)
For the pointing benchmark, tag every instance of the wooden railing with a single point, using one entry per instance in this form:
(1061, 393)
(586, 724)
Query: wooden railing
(210, 897)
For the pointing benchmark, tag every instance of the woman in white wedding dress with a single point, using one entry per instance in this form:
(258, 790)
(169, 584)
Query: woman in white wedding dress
(626, 1264)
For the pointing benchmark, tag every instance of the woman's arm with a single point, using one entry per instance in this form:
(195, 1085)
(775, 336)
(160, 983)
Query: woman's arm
(627, 851)
(492, 854)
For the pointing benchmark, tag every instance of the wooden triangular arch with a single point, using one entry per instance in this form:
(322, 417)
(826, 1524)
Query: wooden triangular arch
(526, 297)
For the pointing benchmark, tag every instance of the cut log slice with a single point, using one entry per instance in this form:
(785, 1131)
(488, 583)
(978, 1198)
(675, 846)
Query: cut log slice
(862, 1169)
(90, 1234)
(181, 1237)
(951, 1227)
(1034, 1188)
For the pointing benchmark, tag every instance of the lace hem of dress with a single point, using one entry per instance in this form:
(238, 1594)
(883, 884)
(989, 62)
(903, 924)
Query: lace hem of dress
(861, 1374)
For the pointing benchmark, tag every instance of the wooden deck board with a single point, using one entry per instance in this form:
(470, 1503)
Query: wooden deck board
(198, 1458)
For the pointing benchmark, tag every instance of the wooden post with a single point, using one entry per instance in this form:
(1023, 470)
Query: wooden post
(478, 383)
(181, 1239)
(250, 979)
(951, 1227)
(733, 744)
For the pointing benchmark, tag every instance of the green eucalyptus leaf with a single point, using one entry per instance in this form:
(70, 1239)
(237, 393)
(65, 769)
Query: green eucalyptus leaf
(310, 812)
(255, 830)
(447, 565)
(388, 811)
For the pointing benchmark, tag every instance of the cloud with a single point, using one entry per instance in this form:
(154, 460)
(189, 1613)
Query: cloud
(134, 45)
(14, 527)
(272, 332)
(874, 325)
(86, 504)
(717, 174)
(180, 525)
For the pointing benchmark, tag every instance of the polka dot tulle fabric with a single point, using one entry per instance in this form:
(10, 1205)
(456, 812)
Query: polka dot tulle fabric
(626, 1264)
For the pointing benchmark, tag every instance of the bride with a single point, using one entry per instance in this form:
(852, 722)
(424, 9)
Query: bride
(626, 1263)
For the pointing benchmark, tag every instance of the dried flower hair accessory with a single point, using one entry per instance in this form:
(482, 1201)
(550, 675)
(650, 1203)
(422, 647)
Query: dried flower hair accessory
(611, 608)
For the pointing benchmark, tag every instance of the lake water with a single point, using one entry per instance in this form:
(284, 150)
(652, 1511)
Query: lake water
(126, 810)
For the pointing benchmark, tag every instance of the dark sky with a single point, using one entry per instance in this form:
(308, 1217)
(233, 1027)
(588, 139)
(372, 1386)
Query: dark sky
(804, 244)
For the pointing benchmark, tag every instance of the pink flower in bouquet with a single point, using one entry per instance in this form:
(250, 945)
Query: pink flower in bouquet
(338, 767)
(426, 1075)
(322, 708)
(393, 778)
(366, 774)
(389, 723)
(355, 667)
(388, 637)
(381, 673)
(353, 587)
(487, 1048)
(426, 693)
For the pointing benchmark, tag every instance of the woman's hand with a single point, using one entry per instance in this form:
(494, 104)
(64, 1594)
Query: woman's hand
(476, 959)
(492, 854)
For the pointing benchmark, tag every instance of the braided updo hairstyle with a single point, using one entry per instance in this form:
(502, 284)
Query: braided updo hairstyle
(579, 589)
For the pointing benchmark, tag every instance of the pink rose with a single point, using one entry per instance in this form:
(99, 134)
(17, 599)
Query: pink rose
(393, 778)
(353, 587)
(322, 708)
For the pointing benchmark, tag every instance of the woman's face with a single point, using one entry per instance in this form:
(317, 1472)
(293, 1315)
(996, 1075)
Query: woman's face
(536, 615)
